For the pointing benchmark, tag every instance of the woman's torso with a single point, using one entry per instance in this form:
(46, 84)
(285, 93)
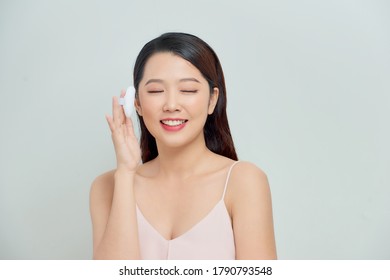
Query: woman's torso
(187, 219)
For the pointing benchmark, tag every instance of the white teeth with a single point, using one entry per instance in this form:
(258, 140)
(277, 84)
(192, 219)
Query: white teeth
(173, 122)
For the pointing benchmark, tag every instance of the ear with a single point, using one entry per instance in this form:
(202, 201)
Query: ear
(213, 100)
(137, 106)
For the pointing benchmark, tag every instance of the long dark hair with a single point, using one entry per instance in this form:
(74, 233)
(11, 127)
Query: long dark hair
(191, 48)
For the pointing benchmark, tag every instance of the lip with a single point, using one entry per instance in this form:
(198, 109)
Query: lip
(173, 128)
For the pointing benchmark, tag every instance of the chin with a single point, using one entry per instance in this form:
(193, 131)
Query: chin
(182, 141)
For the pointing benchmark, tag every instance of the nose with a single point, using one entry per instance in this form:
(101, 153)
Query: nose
(171, 102)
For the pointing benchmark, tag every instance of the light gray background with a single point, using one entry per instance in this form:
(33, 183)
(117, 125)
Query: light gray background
(308, 102)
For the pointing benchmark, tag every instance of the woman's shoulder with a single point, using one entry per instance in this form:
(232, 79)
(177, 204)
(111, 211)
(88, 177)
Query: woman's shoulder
(249, 169)
(103, 184)
(247, 180)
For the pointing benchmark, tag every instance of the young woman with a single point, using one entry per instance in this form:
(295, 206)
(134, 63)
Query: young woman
(190, 198)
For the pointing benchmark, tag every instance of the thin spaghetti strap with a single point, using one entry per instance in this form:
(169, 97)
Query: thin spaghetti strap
(227, 179)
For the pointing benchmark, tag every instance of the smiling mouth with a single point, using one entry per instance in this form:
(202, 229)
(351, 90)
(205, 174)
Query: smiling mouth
(173, 122)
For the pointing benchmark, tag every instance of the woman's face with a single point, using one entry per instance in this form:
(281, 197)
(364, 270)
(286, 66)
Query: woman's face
(174, 100)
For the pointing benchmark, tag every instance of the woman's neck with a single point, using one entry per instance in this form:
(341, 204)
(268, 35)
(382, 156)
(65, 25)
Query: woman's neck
(182, 162)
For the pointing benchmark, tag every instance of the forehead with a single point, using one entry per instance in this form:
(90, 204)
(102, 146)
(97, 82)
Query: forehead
(166, 65)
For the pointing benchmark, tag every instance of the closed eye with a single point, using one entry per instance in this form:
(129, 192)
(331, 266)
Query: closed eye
(155, 91)
(189, 91)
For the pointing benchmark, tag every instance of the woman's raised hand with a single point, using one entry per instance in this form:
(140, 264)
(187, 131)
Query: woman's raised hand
(128, 152)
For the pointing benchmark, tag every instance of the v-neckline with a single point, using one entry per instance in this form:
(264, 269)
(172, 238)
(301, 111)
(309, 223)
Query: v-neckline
(187, 231)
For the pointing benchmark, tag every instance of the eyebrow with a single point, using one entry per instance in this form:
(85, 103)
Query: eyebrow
(189, 80)
(181, 80)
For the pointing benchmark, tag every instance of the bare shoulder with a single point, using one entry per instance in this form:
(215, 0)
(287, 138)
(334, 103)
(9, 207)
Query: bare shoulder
(100, 196)
(247, 178)
(251, 212)
(250, 169)
(100, 200)
(103, 185)
(247, 184)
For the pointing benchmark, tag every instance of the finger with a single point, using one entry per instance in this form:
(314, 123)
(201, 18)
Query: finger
(130, 128)
(116, 111)
(122, 110)
(110, 123)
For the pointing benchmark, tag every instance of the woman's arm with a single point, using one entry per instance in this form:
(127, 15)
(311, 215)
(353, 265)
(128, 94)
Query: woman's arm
(252, 213)
(114, 221)
(112, 202)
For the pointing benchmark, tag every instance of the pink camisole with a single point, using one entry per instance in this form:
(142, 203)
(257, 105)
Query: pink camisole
(210, 239)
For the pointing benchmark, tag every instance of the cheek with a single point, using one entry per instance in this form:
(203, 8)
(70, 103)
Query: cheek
(198, 105)
(149, 110)
(148, 105)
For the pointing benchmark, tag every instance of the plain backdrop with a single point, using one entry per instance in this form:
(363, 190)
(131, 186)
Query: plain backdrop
(308, 86)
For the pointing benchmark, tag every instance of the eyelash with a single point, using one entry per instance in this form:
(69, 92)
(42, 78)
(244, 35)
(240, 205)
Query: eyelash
(184, 91)
(189, 91)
